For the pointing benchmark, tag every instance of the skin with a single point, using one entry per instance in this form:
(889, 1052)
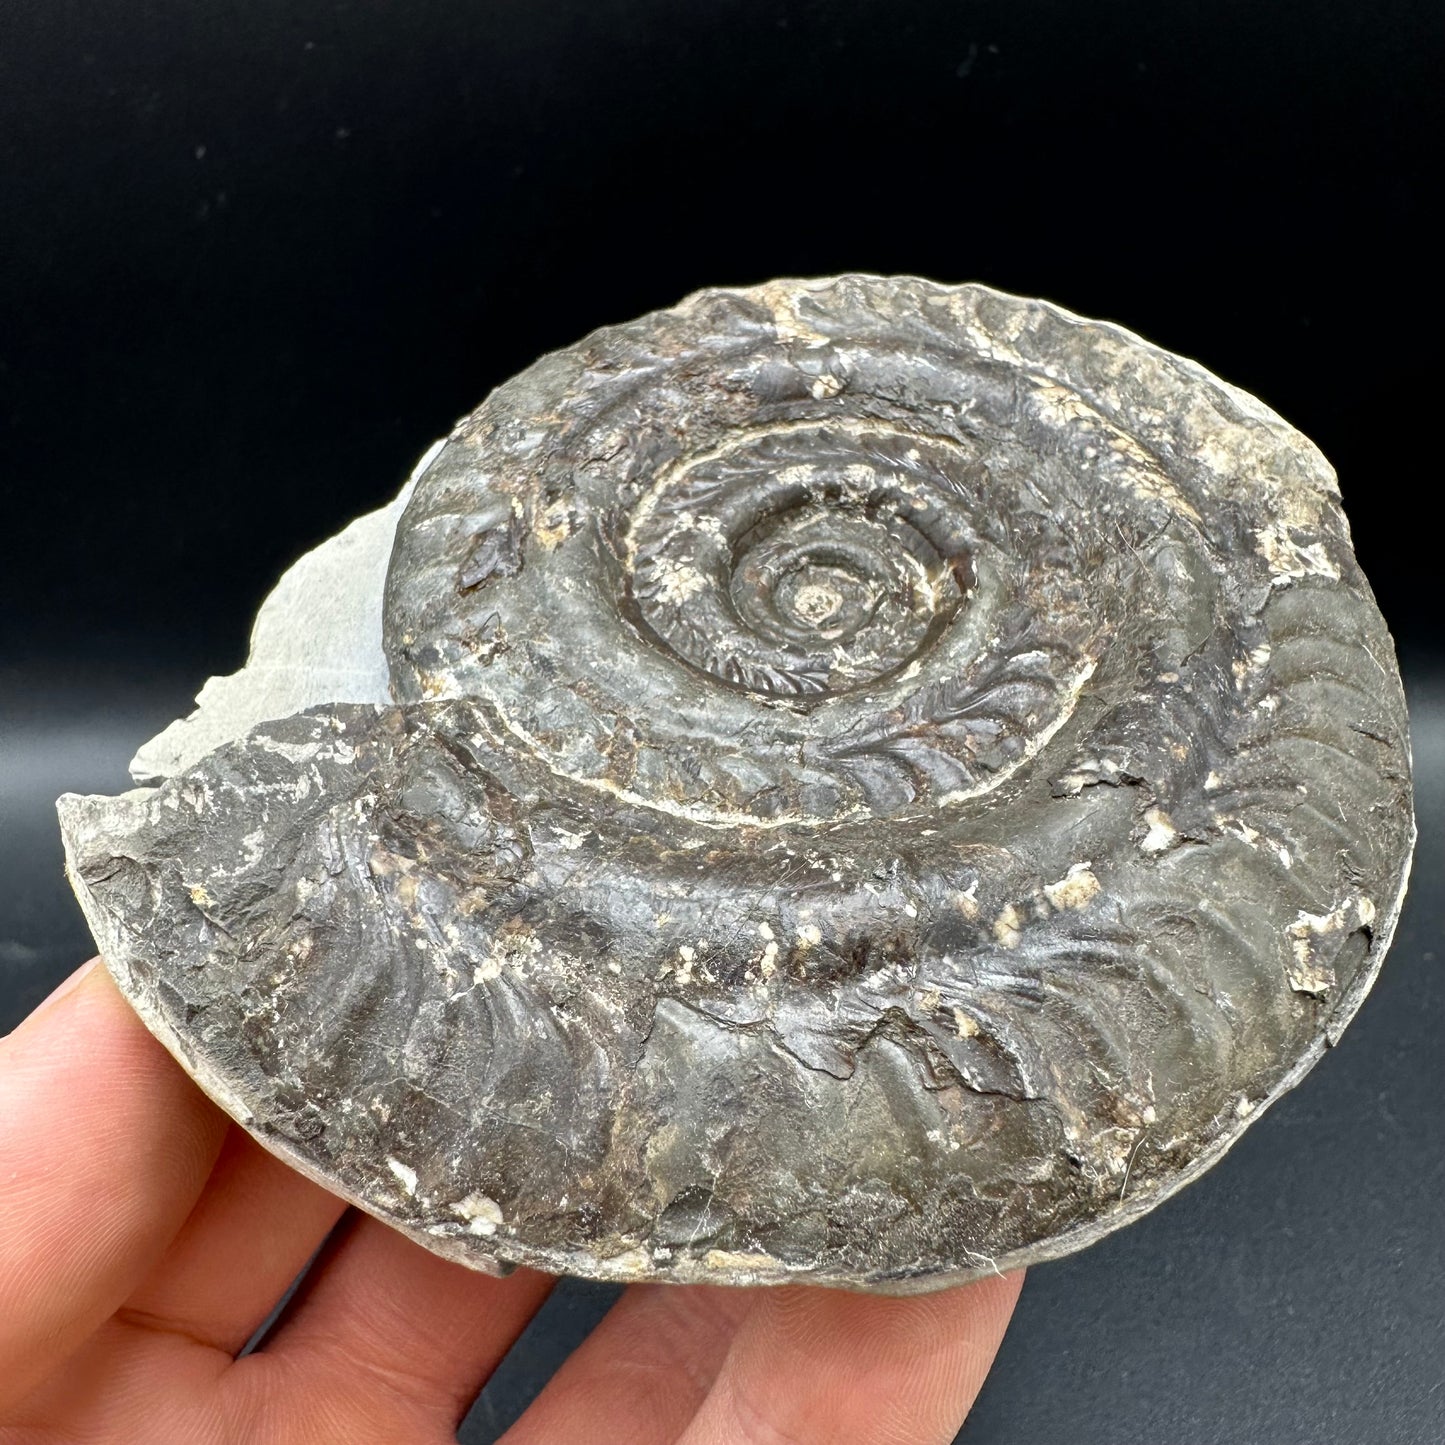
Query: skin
(144, 1239)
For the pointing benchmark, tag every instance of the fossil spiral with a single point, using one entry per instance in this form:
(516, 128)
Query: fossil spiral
(859, 780)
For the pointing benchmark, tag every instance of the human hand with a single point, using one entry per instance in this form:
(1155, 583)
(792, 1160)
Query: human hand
(144, 1239)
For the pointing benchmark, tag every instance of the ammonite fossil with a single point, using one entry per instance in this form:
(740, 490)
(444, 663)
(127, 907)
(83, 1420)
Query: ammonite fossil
(859, 781)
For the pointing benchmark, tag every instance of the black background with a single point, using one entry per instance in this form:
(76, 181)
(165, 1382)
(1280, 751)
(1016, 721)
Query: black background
(253, 258)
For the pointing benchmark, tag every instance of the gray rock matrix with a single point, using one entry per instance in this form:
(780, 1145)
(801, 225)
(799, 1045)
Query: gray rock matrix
(857, 780)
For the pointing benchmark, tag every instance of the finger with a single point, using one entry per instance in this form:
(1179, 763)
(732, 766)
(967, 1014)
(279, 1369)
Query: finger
(821, 1367)
(641, 1375)
(104, 1147)
(64, 987)
(256, 1224)
(385, 1313)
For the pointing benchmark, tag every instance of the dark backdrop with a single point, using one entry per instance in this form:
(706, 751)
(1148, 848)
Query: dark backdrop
(253, 258)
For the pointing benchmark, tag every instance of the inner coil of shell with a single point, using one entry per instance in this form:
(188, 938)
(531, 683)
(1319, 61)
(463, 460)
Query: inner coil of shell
(886, 779)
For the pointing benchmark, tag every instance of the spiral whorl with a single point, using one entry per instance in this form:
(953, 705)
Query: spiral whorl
(881, 779)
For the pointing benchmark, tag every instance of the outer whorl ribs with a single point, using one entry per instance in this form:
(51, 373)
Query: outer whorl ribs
(857, 780)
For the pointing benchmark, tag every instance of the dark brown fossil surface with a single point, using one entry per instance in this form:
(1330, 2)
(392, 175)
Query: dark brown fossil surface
(856, 780)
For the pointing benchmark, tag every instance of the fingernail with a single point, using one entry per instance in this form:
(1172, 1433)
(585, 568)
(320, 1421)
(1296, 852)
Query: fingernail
(64, 987)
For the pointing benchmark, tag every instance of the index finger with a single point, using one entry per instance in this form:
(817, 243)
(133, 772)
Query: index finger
(105, 1145)
(822, 1367)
